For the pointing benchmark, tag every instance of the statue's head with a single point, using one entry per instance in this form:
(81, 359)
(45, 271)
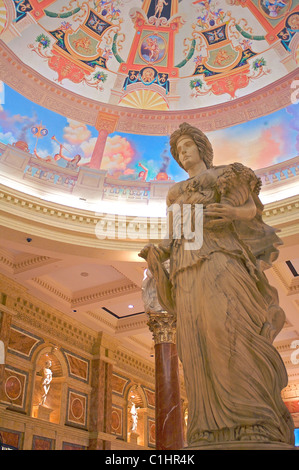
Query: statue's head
(202, 142)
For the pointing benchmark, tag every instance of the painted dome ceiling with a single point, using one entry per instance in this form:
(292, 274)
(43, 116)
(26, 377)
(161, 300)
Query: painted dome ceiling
(154, 55)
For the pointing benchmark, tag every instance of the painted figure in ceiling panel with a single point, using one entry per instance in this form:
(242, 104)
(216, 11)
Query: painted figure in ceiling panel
(154, 54)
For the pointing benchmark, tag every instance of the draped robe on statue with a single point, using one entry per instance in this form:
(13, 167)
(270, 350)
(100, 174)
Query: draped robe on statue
(227, 315)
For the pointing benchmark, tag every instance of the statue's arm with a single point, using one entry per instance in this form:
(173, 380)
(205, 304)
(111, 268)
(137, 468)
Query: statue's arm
(225, 212)
(235, 185)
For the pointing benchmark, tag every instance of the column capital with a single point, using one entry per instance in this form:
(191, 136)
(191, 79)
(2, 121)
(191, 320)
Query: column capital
(106, 122)
(163, 327)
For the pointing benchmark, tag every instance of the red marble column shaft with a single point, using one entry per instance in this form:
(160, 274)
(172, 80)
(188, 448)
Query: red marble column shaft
(5, 322)
(100, 404)
(98, 152)
(169, 424)
(106, 124)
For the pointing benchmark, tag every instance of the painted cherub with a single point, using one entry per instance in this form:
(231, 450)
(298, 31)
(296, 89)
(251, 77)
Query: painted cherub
(153, 47)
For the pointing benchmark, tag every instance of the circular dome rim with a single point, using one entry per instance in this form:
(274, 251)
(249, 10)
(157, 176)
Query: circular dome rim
(22, 77)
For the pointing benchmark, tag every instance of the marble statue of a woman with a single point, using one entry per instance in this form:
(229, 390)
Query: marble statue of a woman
(227, 313)
(134, 416)
(46, 381)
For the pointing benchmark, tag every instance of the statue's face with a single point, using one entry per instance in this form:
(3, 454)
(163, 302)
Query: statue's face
(188, 152)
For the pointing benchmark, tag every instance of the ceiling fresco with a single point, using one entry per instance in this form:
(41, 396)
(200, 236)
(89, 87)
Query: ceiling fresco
(154, 54)
(50, 136)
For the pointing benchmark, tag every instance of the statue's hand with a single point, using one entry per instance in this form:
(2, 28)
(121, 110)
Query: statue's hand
(216, 215)
(161, 251)
(144, 252)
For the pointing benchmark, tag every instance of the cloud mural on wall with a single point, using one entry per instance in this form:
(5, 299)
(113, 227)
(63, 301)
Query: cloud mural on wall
(119, 153)
(258, 143)
(294, 122)
(261, 142)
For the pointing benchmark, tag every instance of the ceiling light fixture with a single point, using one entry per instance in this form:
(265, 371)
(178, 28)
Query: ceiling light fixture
(130, 306)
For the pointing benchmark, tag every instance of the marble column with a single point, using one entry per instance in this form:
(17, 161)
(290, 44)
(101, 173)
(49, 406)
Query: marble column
(100, 405)
(105, 124)
(101, 394)
(5, 322)
(169, 421)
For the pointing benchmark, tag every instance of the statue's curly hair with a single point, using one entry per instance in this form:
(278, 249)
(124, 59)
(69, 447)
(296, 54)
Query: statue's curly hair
(200, 139)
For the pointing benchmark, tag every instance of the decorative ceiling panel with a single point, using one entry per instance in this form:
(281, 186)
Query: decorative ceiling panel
(152, 54)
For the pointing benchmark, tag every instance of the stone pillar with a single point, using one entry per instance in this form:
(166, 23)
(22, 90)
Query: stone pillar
(90, 184)
(101, 394)
(105, 124)
(5, 322)
(169, 421)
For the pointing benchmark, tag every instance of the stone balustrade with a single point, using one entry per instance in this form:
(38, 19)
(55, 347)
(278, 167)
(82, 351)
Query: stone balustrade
(279, 172)
(92, 185)
(50, 173)
(126, 190)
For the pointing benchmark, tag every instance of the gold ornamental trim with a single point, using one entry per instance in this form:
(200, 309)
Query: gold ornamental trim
(163, 327)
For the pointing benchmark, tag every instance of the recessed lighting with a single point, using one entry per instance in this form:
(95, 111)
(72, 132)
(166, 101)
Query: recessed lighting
(130, 306)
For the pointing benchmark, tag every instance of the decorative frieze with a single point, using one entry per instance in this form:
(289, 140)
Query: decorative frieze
(53, 324)
(135, 365)
(42, 91)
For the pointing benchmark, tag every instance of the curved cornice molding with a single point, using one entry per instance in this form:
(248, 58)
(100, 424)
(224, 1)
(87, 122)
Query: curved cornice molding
(64, 227)
(45, 93)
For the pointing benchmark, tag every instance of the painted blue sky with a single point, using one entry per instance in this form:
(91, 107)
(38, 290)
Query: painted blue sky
(257, 143)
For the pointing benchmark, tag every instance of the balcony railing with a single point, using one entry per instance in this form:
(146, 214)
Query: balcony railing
(279, 172)
(38, 177)
(49, 173)
(124, 190)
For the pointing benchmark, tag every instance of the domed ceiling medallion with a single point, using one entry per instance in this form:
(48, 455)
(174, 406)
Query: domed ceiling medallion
(193, 54)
